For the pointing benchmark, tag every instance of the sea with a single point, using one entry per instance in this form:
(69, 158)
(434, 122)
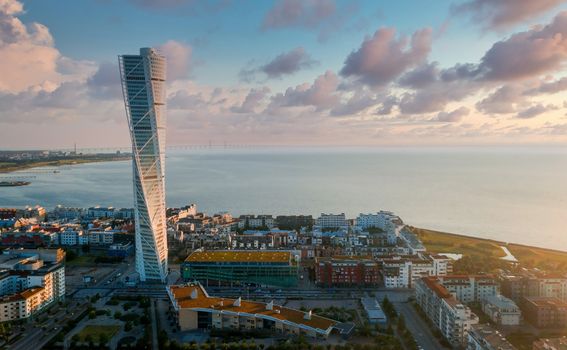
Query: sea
(513, 194)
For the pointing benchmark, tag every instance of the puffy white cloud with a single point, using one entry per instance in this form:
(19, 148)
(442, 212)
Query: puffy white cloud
(383, 57)
(178, 57)
(453, 116)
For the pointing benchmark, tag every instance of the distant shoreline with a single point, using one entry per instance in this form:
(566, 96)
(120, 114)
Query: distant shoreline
(12, 166)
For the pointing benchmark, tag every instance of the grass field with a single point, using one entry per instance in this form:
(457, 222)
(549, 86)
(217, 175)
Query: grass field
(96, 331)
(442, 242)
(85, 260)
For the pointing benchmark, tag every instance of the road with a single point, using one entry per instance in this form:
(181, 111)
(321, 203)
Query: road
(417, 326)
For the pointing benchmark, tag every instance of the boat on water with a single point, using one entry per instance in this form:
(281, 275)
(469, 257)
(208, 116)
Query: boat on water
(14, 183)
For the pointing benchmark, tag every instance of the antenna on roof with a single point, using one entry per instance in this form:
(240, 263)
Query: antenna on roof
(307, 315)
(237, 302)
(270, 305)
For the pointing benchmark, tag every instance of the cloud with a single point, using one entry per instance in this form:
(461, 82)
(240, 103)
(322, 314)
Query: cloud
(534, 111)
(298, 13)
(178, 57)
(252, 101)
(357, 103)
(288, 63)
(528, 54)
(503, 100)
(321, 94)
(420, 77)
(453, 116)
(498, 14)
(105, 83)
(383, 57)
(28, 56)
(550, 87)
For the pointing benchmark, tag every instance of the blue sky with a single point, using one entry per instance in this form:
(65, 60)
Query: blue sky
(341, 53)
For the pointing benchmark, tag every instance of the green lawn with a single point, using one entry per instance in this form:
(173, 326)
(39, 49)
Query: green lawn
(440, 242)
(96, 331)
(84, 260)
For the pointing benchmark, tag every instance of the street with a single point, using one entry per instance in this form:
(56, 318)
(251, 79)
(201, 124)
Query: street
(418, 328)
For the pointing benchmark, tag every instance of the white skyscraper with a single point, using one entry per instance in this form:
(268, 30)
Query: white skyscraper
(143, 87)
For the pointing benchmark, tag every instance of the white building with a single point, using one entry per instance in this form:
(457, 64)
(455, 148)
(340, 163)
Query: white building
(326, 221)
(143, 87)
(403, 272)
(451, 317)
(71, 237)
(470, 288)
(501, 310)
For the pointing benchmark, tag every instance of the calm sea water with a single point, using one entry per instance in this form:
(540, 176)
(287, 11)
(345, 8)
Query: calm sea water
(511, 194)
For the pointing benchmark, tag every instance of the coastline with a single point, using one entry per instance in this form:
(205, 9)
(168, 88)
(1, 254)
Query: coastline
(446, 242)
(9, 167)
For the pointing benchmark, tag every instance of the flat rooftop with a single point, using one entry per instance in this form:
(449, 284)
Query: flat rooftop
(182, 295)
(240, 256)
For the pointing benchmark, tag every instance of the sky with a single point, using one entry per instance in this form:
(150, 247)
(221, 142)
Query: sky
(290, 72)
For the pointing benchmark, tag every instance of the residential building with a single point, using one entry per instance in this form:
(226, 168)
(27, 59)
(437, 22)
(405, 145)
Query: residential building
(501, 310)
(403, 272)
(332, 221)
(194, 309)
(451, 317)
(484, 337)
(143, 87)
(251, 221)
(346, 271)
(272, 268)
(373, 311)
(543, 312)
(470, 288)
(294, 222)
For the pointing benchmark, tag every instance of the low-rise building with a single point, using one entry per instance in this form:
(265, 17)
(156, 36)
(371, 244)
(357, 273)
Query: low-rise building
(346, 271)
(501, 310)
(404, 271)
(373, 311)
(194, 309)
(543, 312)
(331, 221)
(451, 317)
(484, 337)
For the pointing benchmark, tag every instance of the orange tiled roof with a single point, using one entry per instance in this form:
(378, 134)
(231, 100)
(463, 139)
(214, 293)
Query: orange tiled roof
(182, 294)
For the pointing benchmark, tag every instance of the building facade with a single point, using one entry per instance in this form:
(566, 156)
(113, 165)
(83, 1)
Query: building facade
(143, 87)
(194, 309)
(451, 317)
(270, 268)
(501, 310)
(347, 271)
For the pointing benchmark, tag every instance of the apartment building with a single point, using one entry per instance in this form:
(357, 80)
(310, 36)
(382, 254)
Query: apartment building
(403, 272)
(331, 221)
(501, 310)
(470, 288)
(346, 271)
(544, 312)
(451, 317)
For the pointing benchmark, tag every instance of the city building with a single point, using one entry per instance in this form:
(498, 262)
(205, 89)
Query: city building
(194, 309)
(373, 311)
(543, 312)
(143, 87)
(470, 288)
(294, 222)
(30, 280)
(484, 337)
(271, 268)
(501, 310)
(121, 250)
(451, 317)
(516, 287)
(331, 221)
(253, 221)
(346, 271)
(403, 272)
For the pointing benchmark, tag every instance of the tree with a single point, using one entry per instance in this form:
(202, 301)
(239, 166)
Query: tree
(103, 339)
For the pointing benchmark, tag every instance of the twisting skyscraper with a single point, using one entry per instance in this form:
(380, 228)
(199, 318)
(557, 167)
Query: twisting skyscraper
(143, 87)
